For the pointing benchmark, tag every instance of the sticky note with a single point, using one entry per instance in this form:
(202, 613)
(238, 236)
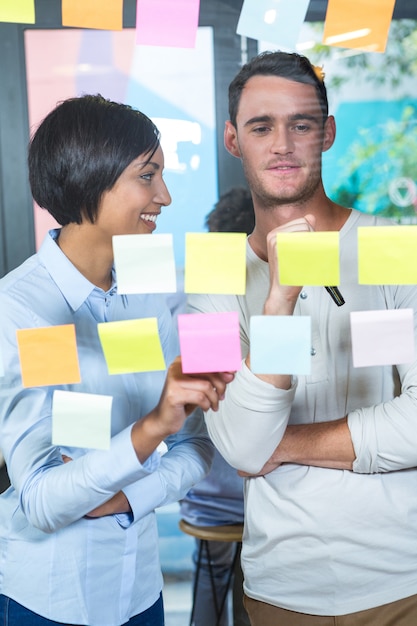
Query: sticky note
(387, 255)
(144, 263)
(280, 344)
(308, 258)
(215, 263)
(132, 346)
(275, 21)
(48, 356)
(106, 15)
(358, 24)
(382, 337)
(209, 342)
(81, 420)
(167, 23)
(17, 11)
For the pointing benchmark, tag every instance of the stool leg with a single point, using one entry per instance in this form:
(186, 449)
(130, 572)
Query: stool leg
(229, 580)
(213, 584)
(196, 575)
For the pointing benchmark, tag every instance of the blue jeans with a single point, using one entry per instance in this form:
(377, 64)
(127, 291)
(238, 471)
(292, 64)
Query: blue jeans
(14, 614)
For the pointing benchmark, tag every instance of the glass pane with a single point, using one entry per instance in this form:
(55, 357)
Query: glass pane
(173, 86)
(372, 166)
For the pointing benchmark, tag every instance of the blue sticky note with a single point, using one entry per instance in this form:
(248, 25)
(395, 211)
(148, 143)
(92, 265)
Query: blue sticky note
(280, 344)
(275, 21)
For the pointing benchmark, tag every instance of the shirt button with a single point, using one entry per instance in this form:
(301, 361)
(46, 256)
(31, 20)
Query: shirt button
(303, 295)
(313, 351)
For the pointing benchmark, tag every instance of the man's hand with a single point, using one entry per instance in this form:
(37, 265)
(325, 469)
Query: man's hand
(281, 299)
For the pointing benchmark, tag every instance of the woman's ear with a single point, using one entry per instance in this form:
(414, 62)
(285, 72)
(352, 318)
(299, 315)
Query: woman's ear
(329, 134)
(230, 139)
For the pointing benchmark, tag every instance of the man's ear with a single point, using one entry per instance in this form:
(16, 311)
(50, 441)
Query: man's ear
(329, 134)
(230, 139)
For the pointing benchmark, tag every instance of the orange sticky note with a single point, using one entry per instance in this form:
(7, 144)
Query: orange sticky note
(48, 356)
(359, 24)
(106, 15)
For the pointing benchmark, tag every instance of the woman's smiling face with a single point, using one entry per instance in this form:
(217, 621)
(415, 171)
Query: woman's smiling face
(132, 205)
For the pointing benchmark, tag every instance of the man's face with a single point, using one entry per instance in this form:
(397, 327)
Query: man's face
(280, 138)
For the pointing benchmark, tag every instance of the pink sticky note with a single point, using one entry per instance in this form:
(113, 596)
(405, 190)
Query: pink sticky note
(167, 23)
(382, 337)
(209, 342)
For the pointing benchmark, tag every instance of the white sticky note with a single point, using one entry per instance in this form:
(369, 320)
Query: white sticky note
(276, 21)
(144, 263)
(81, 420)
(382, 337)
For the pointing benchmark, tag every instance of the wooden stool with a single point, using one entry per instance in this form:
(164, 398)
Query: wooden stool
(205, 534)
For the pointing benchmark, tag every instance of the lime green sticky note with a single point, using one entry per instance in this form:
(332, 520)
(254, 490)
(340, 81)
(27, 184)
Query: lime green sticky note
(215, 263)
(308, 258)
(132, 346)
(19, 11)
(387, 255)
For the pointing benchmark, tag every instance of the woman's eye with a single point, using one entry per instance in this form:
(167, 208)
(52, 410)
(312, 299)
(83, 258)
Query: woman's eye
(148, 176)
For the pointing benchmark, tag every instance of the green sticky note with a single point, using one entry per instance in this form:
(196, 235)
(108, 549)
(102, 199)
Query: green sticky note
(19, 11)
(308, 258)
(132, 346)
(387, 255)
(215, 263)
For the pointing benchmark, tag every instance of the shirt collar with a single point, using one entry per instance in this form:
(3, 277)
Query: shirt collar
(73, 285)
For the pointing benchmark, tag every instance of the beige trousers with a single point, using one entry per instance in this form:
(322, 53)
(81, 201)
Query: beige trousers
(400, 613)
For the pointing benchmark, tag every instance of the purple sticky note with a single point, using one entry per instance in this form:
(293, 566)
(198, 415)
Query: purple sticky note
(167, 23)
(382, 337)
(209, 342)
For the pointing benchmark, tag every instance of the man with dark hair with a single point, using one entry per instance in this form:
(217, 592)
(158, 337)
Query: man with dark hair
(330, 458)
(232, 213)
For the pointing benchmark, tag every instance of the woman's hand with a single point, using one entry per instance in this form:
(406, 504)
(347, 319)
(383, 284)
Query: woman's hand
(181, 394)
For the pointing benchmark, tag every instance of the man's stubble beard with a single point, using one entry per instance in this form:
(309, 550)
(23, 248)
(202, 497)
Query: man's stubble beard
(270, 200)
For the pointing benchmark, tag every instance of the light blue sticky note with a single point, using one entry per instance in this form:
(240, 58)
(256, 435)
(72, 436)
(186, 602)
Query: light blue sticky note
(81, 420)
(144, 263)
(280, 344)
(275, 21)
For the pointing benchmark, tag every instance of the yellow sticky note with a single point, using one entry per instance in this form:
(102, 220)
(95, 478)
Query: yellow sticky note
(215, 263)
(387, 255)
(308, 258)
(81, 420)
(106, 15)
(132, 346)
(358, 24)
(18, 11)
(48, 356)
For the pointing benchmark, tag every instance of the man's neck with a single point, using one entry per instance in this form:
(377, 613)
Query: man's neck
(328, 215)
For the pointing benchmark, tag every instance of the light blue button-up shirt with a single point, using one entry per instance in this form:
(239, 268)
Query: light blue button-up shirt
(53, 560)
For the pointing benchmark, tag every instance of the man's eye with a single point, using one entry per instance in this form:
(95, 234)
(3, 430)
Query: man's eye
(261, 129)
(301, 128)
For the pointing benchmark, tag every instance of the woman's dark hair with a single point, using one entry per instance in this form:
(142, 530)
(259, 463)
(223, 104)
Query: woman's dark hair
(79, 151)
(289, 65)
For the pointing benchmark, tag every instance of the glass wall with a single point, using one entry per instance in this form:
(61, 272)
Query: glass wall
(173, 86)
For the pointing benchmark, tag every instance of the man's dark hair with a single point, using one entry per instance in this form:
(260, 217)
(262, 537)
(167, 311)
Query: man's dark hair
(79, 151)
(232, 213)
(289, 65)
